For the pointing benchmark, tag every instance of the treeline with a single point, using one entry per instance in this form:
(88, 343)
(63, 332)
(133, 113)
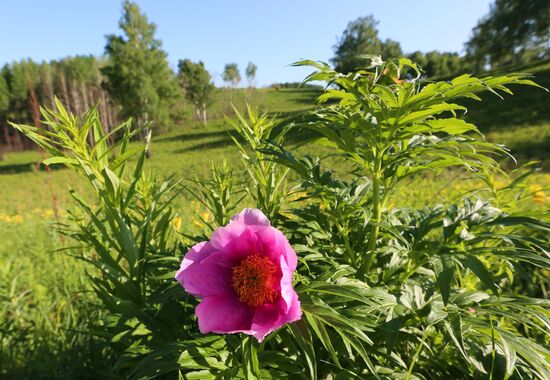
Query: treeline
(513, 32)
(25, 85)
(134, 79)
(360, 40)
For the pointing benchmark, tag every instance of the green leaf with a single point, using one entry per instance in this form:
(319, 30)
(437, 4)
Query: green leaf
(478, 268)
(303, 337)
(251, 364)
(451, 126)
(60, 160)
(445, 276)
(430, 111)
(112, 182)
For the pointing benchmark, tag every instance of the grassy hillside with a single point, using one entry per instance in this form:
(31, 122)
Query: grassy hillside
(522, 121)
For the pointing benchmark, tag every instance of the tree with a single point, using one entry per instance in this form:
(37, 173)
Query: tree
(231, 74)
(4, 95)
(437, 64)
(391, 49)
(441, 65)
(138, 75)
(251, 73)
(4, 107)
(197, 85)
(359, 40)
(514, 31)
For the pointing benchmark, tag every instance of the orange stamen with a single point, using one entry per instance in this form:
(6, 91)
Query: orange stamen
(253, 280)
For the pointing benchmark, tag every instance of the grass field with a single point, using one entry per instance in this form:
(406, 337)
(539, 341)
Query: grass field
(37, 295)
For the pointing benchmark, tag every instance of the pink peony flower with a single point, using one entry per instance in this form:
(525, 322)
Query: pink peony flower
(243, 276)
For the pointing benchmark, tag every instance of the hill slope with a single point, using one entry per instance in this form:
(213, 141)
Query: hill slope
(522, 121)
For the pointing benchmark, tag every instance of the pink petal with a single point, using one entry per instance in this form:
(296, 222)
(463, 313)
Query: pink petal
(210, 277)
(195, 255)
(224, 315)
(237, 241)
(286, 284)
(266, 319)
(251, 217)
(270, 317)
(276, 244)
(225, 235)
(295, 312)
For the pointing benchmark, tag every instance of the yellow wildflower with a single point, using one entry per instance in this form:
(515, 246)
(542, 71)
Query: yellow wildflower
(47, 214)
(15, 219)
(538, 193)
(176, 223)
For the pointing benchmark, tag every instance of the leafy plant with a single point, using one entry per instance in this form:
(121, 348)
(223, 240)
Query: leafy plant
(125, 237)
(391, 128)
(267, 178)
(386, 292)
(413, 276)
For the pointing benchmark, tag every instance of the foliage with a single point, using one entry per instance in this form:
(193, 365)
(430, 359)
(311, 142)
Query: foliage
(231, 74)
(197, 85)
(358, 41)
(77, 81)
(251, 73)
(392, 132)
(125, 239)
(268, 180)
(386, 291)
(138, 75)
(4, 95)
(513, 32)
(219, 194)
(437, 64)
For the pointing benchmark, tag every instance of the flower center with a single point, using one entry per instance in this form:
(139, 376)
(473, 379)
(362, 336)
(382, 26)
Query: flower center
(253, 280)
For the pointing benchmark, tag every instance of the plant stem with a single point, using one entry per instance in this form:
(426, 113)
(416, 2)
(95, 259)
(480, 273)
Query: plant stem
(349, 251)
(375, 222)
(417, 354)
(493, 352)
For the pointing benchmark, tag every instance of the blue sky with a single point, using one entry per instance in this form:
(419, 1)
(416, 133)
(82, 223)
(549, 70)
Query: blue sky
(271, 34)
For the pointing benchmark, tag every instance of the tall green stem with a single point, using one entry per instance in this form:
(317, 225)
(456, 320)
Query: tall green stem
(349, 251)
(375, 220)
(417, 354)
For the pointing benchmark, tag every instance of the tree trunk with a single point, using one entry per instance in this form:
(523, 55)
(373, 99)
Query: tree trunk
(65, 91)
(204, 117)
(7, 137)
(102, 109)
(4, 147)
(198, 112)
